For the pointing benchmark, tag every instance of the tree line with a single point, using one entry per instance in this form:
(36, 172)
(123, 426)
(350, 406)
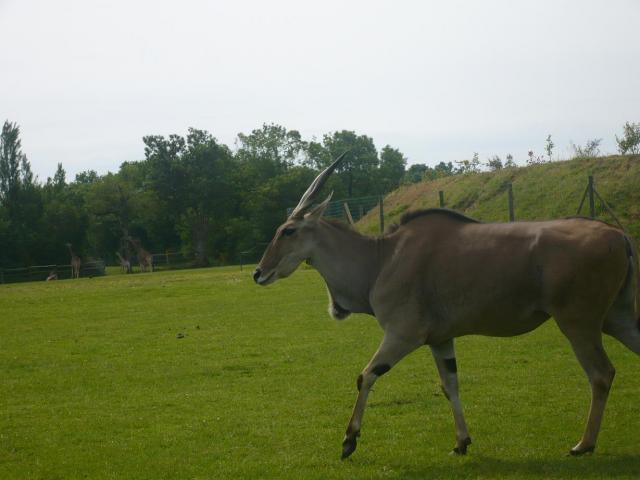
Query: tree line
(194, 195)
(190, 194)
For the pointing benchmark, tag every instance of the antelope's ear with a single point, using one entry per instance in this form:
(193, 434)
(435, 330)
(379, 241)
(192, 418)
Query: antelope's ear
(316, 212)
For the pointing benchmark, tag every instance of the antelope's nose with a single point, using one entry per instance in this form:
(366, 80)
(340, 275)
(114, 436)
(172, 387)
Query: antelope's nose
(256, 274)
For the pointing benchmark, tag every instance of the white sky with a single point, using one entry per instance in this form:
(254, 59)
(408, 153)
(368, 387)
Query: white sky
(439, 80)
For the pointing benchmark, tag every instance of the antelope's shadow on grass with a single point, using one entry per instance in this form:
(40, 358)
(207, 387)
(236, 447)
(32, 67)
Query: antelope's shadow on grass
(592, 466)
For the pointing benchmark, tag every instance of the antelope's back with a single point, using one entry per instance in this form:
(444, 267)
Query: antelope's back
(490, 270)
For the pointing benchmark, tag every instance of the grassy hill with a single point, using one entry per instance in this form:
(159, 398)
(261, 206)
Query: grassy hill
(546, 191)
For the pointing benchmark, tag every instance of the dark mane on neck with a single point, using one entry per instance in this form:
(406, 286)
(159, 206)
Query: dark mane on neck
(407, 217)
(410, 216)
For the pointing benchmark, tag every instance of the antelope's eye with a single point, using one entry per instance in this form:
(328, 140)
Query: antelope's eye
(288, 231)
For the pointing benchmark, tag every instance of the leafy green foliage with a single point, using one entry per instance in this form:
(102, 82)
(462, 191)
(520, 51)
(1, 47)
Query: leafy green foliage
(418, 172)
(548, 146)
(494, 163)
(392, 168)
(20, 202)
(468, 166)
(190, 194)
(590, 149)
(194, 195)
(630, 141)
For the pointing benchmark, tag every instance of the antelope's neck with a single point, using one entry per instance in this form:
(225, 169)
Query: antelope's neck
(349, 263)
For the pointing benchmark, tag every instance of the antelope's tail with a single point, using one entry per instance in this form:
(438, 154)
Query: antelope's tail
(635, 276)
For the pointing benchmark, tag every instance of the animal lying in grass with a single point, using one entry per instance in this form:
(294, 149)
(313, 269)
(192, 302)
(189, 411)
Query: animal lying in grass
(440, 275)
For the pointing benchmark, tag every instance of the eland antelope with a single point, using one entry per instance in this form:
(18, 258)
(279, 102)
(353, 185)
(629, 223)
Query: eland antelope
(440, 275)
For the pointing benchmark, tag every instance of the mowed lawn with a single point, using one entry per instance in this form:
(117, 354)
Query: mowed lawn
(202, 374)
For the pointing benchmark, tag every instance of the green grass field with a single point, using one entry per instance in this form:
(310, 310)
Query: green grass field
(202, 374)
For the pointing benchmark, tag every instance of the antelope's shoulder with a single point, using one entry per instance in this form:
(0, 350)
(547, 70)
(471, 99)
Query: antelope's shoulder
(415, 218)
(435, 213)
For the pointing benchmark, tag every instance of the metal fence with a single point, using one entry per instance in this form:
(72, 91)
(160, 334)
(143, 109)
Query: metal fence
(589, 196)
(171, 261)
(353, 209)
(36, 273)
(350, 210)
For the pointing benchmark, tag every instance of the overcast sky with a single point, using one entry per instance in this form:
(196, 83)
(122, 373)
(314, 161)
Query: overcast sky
(439, 80)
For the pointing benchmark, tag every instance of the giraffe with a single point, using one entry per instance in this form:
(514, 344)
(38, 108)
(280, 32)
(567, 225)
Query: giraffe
(145, 259)
(125, 264)
(75, 263)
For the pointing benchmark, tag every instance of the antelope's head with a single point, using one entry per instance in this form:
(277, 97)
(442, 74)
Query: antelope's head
(294, 239)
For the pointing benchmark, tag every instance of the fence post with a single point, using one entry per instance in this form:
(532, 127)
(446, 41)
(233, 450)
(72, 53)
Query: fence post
(512, 215)
(348, 213)
(592, 203)
(381, 217)
(1, 275)
(441, 195)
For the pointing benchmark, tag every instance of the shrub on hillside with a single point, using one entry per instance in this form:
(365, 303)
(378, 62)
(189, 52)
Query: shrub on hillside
(630, 141)
(591, 149)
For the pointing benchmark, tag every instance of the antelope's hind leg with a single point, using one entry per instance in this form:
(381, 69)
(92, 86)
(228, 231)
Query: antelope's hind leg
(391, 351)
(587, 346)
(445, 358)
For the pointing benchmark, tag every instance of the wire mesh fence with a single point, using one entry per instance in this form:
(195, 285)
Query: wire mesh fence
(591, 204)
(36, 273)
(350, 210)
(482, 203)
(171, 261)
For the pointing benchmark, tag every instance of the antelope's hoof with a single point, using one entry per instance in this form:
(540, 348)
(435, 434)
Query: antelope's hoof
(576, 452)
(348, 447)
(462, 448)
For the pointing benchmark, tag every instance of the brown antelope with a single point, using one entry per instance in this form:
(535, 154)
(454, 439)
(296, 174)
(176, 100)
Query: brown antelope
(440, 275)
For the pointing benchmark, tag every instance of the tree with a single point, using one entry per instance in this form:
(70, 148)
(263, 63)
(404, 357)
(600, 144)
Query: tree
(630, 141)
(64, 218)
(15, 170)
(548, 147)
(443, 169)
(391, 170)
(419, 172)
(165, 176)
(357, 170)
(212, 194)
(415, 173)
(270, 150)
(509, 163)
(113, 205)
(469, 166)
(59, 179)
(494, 163)
(20, 199)
(266, 206)
(534, 159)
(591, 149)
(86, 177)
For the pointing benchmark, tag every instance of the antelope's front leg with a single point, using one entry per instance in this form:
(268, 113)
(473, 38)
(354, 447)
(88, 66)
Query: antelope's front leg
(391, 351)
(445, 358)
